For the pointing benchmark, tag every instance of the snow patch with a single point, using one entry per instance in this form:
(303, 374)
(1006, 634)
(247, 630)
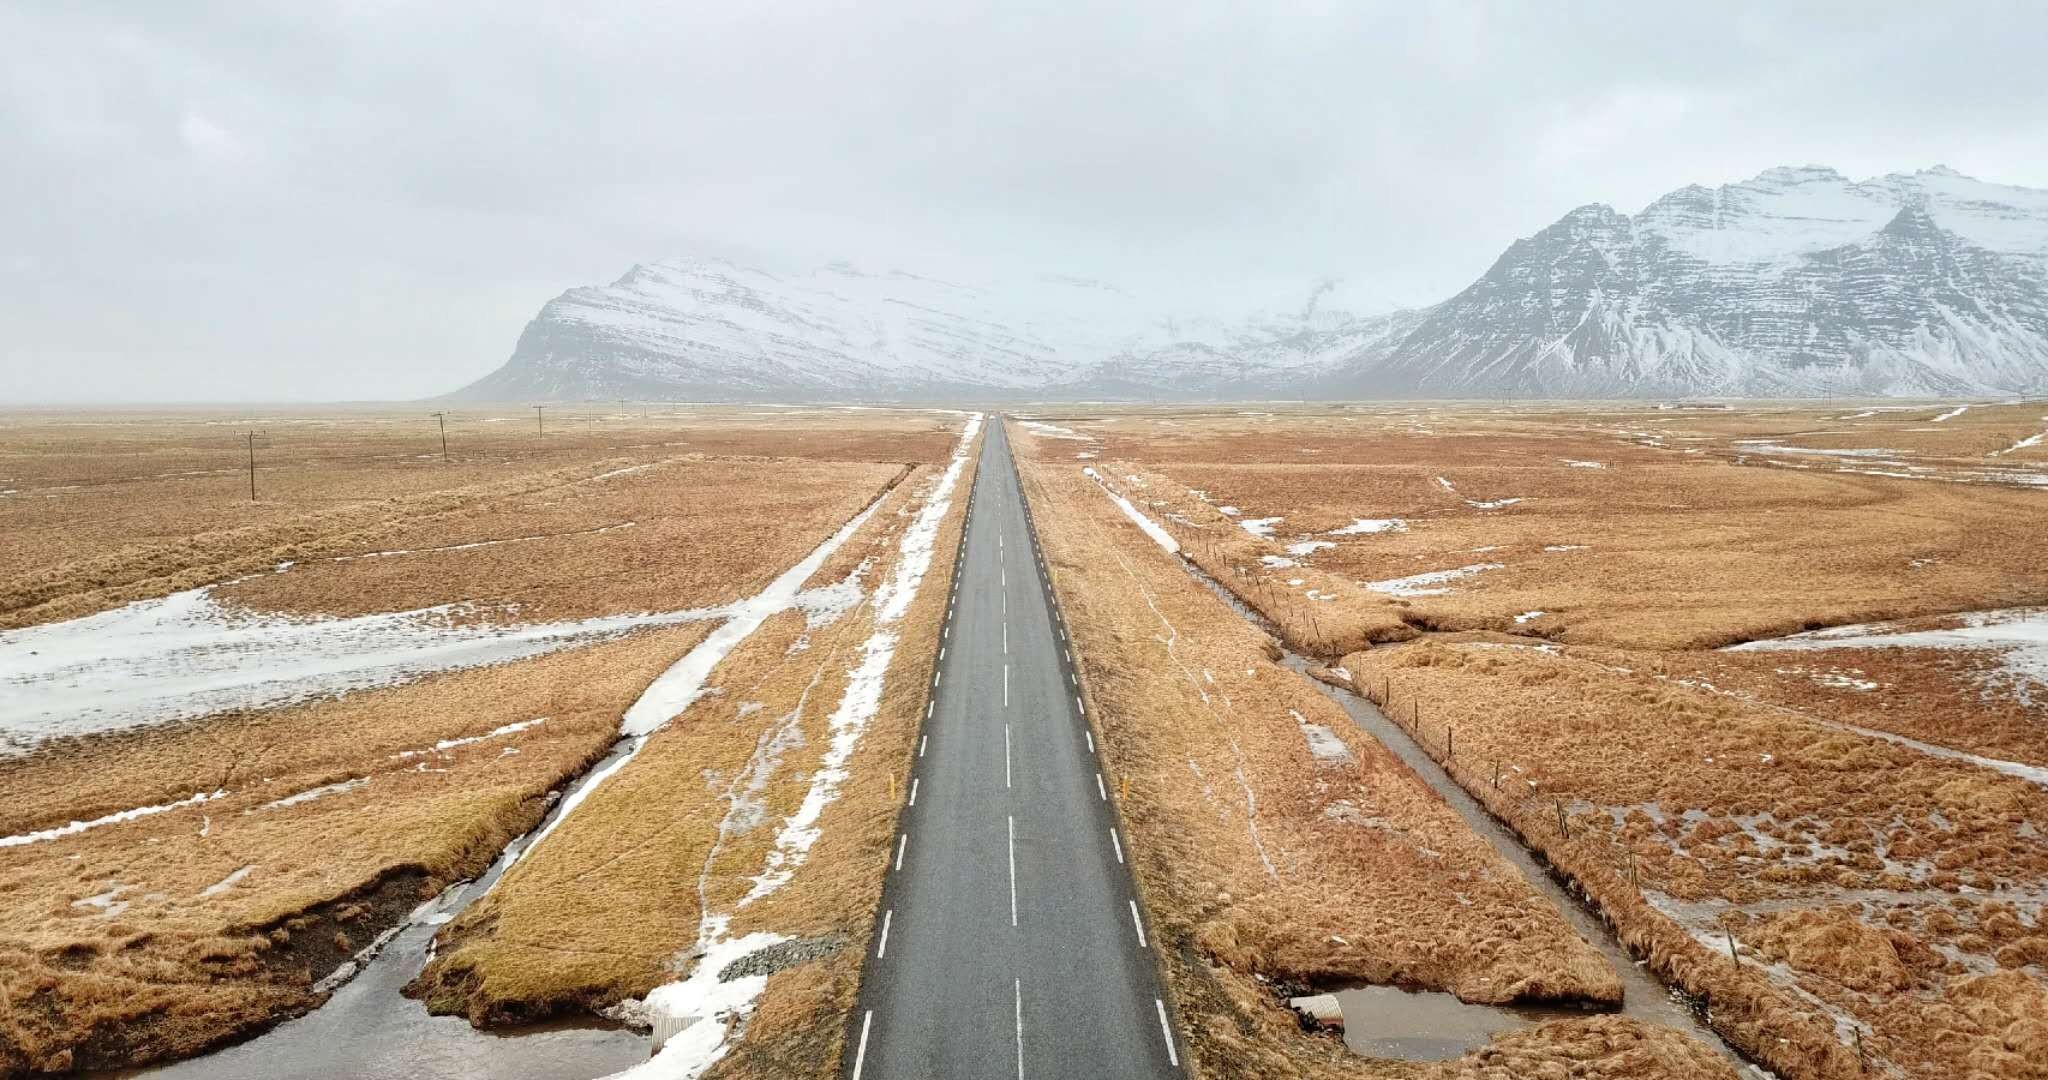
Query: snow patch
(42, 835)
(1261, 527)
(188, 655)
(227, 882)
(1363, 526)
(1051, 431)
(310, 794)
(449, 744)
(1424, 584)
(1151, 528)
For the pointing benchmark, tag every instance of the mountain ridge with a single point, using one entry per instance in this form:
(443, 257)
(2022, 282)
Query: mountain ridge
(1796, 282)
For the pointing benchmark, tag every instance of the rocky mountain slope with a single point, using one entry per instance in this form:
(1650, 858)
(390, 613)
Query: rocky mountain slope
(1798, 282)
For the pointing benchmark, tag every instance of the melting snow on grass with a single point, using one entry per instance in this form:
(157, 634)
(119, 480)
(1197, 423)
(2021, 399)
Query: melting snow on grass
(675, 689)
(227, 882)
(1766, 446)
(1427, 584)
(1152, 528)
(2023, 444)
(450, 744)
(473, 545)
(1308, 547)
(706, 1006)
(1363, 526)
(310, 794)
(2021, 634)
(1261, 527)
(1051, 431)
(188, 655)
(75, 827)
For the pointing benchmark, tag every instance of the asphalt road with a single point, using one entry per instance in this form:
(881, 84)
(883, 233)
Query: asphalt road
(1010, 942)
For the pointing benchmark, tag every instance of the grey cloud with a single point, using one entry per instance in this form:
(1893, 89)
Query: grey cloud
(310, 200)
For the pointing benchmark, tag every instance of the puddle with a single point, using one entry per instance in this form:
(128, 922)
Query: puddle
(1418, 1025)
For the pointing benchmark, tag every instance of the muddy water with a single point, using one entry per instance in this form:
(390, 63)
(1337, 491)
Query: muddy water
(1643, 995)
(369, 1028)
(1388, 1022)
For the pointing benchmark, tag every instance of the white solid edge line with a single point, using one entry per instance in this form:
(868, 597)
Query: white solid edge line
(900, 845)
(1172, 1058)
(860, 1056)
(1013, 870)
(882, 949)
(1119, 844)
(1140, 924)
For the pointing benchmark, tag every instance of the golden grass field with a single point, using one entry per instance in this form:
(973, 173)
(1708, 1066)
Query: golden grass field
(161, 936)
(594, 915)
(1885, 899)
(1540, 594)
(1262, 862)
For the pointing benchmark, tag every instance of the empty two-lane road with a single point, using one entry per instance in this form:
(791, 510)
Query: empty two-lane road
(1010, 941)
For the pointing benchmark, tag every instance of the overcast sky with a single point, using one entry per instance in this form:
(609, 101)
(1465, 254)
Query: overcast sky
(367, 200)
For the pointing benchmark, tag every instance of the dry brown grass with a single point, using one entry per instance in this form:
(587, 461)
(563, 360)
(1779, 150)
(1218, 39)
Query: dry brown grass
(1960, 698)
(1658, 549)
(1199, 721)
(610, 905)
(1735, 819)
(102, 509)
(1870, 886)
(176, 969)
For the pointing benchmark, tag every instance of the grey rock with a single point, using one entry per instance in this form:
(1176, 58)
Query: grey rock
(784, 954)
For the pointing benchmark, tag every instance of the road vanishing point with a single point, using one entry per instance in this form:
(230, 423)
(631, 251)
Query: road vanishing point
(1010, 940)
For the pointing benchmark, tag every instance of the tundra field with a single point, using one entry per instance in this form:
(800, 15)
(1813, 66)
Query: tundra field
(1636, 742)
(242, 740)
(1761, 683)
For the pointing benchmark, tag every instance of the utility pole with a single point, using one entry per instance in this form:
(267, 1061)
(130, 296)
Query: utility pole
(252, 466)
(539, 424)
(443, 418)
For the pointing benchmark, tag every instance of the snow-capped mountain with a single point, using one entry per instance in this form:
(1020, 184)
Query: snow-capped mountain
(709, 330)
(1798, 282)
